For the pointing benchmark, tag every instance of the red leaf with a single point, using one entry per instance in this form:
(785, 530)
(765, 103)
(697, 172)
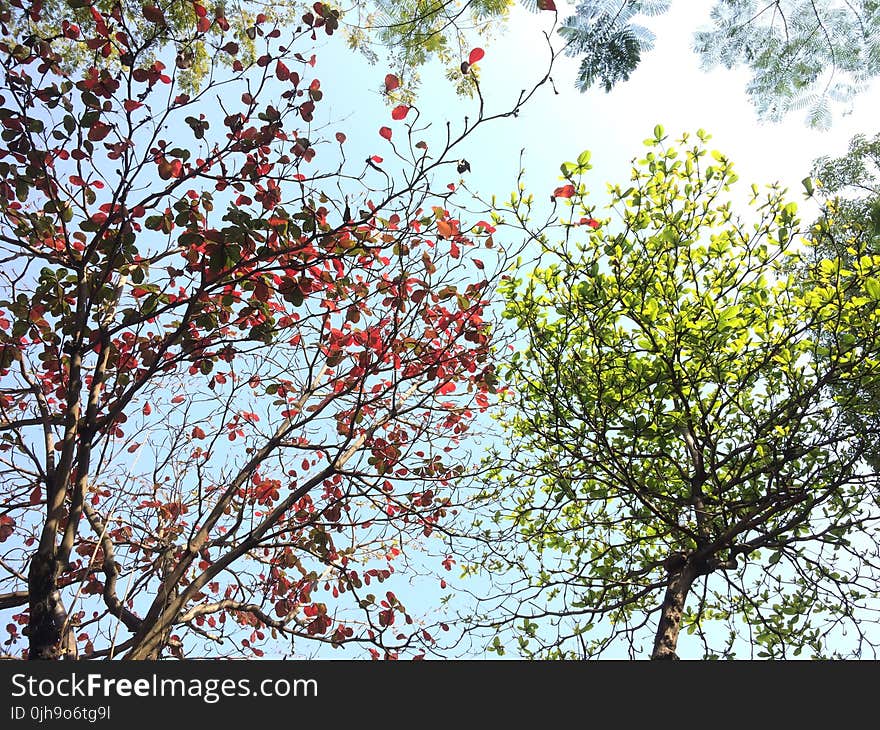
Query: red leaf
(385, 132)
(376, 159)
(546, 5)
(591, 222)
(153, 14)
(130, 105)
(476, 55)
(148, 409)
(391, 82)
(399, 112)
(100, 25)
(178, 399)
(133, 448)
(36, 495)
(198, 433)
(340, 137)
(7, 527)
(566, 191)
(98, 131)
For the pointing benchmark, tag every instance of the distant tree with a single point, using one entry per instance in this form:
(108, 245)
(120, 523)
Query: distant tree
(234, 363)
(854, 176)
(678, 458)
(848, 229)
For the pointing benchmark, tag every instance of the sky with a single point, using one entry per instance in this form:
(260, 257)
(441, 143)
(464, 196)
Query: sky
(668, 88)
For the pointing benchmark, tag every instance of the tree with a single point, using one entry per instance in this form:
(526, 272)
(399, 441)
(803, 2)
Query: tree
(231, 382)
(855, 175)
(849, 228)
(679, 455)
(156, 25)
(608, 41)
(801, 54)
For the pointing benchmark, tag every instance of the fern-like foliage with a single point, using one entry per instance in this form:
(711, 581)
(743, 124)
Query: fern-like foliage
(602, 33)
(803, 54)
(812, 55)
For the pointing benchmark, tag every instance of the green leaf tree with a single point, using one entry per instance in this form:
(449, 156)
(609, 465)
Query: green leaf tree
(848, 228)
(676, 456)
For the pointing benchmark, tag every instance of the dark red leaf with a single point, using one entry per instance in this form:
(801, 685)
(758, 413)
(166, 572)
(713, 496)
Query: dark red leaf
(153, 14)
(7, 527)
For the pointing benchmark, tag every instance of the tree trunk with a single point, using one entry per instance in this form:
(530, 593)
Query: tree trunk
(149, 646)
(670, 615)
(49, 636)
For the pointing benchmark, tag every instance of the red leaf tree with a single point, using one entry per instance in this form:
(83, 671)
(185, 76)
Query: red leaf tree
(231, 382)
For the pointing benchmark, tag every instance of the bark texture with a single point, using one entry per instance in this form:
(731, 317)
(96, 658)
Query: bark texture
(668, 629)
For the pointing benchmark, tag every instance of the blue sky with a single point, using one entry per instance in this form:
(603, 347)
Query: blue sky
(668, 88)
